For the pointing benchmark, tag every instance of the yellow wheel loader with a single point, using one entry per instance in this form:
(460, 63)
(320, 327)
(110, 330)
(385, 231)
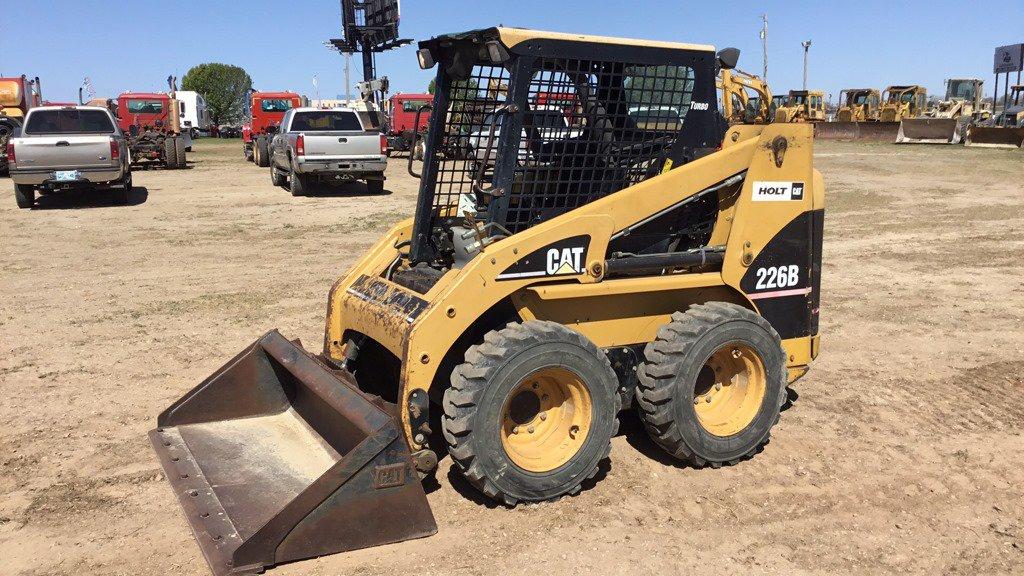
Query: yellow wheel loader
(646, 257)
(858, 118)
(1006, 130)
(802, 106)
(947, 121)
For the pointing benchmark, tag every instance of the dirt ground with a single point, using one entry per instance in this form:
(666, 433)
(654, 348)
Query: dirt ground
(903, 451)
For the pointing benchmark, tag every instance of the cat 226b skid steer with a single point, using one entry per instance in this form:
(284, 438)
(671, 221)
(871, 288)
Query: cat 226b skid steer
(641, 254)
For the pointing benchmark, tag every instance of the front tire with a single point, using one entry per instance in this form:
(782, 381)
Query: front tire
(712, 384)
(276, 178)
(25, 195)
(531, 413)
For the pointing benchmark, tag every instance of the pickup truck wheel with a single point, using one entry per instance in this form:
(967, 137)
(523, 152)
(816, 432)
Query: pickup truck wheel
(25, 195)
(122, 192)
(170, 154)
(276, 177)
(375, 186)
(297, 184)
(180, 149)
(262, 153)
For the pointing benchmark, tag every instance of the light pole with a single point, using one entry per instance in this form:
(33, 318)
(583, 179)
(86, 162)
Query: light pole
(807, 46)
(764, 46)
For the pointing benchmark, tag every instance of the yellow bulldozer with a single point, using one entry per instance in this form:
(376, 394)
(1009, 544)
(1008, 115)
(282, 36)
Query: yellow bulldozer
(551, 277)
(899, 102)
(802, 106)
(858, 118)
(738, 105)
(946, 122)
(1005, 130)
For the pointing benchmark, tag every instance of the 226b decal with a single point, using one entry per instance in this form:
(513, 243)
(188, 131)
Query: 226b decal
(777, 277)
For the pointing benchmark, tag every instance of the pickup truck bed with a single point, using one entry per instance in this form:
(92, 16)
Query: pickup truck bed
(68, 148)
(334, 145)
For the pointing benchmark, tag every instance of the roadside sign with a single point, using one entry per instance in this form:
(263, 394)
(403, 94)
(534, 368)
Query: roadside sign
(1009, 59)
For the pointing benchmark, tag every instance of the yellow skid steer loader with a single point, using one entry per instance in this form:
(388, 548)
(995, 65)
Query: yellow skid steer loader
(645, 256)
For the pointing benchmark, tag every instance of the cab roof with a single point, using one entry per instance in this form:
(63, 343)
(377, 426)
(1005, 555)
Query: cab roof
(512, 37)
(275, 95)
(145, 95)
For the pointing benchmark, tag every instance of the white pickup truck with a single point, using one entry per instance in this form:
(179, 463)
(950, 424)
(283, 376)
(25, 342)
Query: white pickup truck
(68, 148)
(333, 145)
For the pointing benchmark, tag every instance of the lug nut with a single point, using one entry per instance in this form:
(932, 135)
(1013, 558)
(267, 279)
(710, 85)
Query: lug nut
(735, 352)
(708, 399)
(543, 416)
(515, 429)
(530, 429)
(718, 386)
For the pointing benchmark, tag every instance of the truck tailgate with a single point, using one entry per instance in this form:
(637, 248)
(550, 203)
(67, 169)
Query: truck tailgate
(342, 144)
(61, 152)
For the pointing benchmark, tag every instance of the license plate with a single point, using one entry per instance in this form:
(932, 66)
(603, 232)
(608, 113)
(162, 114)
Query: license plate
(66, 175)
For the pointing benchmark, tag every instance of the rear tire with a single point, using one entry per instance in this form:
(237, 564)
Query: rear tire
(375, 187)
(531, 413)
(262, 153)
(712, 384)
(179, 149)
(297, 184)
(122, 192)
(25, 195)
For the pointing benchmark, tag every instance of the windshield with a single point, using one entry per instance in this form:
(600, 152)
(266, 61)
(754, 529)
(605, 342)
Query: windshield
(960, 90)
(798, 99)
(276, 105)
(326, 121)
(145, 106)
(858, 98)
(69, 121)
(414, 105)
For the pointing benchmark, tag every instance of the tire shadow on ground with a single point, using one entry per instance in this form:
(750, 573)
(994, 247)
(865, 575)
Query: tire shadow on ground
(89, 199)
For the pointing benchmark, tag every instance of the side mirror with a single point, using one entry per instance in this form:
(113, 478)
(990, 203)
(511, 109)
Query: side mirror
(728, 58)
(426, 59)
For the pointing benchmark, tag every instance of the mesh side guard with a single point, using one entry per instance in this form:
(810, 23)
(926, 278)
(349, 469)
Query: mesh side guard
(276, 458)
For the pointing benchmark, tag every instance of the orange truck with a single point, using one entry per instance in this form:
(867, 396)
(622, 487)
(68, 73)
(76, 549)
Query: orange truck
(17, 96)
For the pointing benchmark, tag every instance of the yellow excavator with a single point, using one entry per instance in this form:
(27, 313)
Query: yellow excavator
(647, 258)
(946, 122)
(739, 106)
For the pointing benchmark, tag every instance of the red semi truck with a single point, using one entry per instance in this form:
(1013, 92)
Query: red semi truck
(402, 120)
(17, 96)
(266, 109)
(151, 122)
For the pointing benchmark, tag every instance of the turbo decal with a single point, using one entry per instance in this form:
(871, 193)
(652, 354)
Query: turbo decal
(566, 257)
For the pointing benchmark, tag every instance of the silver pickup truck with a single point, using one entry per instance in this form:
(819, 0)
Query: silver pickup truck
(64, 148)
(333, 145)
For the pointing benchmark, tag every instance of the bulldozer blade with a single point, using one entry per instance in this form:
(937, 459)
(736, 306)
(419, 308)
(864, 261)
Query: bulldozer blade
(871, 131)
(837, 130)
(277, 457)
(994, 137)
(929, 131)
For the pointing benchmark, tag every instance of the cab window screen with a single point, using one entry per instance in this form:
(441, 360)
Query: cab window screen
(325, 121)
(69, 122)
(275, 105)
(145, 107)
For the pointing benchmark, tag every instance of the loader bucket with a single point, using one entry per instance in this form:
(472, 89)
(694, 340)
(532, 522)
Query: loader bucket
(276, 457)
(929, 131)
(994, 137)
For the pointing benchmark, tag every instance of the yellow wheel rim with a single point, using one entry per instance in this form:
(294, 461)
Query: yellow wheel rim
(545, 419)
(730, 390)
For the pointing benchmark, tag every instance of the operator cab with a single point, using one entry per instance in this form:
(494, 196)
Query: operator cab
(528, 125)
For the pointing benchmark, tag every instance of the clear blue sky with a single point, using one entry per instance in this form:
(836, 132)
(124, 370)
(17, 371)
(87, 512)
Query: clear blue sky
(279, 42)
